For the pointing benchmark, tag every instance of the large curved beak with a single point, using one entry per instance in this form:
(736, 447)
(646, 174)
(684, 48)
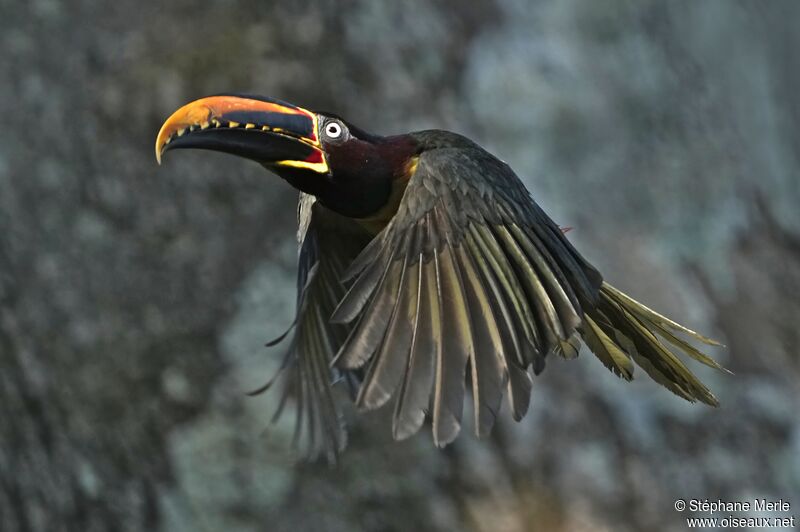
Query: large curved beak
(268, 131)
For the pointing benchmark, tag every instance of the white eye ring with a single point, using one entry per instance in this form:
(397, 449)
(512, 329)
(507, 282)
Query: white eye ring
(333, 130)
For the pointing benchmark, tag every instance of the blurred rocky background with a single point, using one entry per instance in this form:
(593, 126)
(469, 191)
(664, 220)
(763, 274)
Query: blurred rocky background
(135, 301)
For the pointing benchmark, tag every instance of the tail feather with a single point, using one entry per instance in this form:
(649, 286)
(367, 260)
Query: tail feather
(654, 316)
(619, 330)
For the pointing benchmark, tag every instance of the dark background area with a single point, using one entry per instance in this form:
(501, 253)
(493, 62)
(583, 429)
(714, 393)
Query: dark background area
(135, 300)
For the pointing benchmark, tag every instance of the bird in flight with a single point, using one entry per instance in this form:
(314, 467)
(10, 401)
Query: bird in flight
(426, 269)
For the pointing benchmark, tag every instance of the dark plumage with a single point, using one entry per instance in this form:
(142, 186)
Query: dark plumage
(427, 269)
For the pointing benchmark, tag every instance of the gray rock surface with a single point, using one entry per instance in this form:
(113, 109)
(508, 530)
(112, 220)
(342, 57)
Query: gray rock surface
(135, 300)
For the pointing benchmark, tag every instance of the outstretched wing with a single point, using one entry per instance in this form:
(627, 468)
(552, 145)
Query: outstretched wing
(469, 278)
(328, 243)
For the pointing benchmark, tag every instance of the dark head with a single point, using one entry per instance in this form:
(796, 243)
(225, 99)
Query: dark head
(350, 171)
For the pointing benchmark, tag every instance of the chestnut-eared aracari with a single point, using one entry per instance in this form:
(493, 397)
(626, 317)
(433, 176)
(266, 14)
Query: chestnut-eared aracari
(426, 269)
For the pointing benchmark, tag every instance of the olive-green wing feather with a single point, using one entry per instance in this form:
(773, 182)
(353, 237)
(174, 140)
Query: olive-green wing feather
(471, 282)
(328, 243)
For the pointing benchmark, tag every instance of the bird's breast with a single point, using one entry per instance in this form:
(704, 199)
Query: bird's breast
(375, 222)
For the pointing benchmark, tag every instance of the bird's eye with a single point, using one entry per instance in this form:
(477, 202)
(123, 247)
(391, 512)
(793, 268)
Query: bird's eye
(333, 130)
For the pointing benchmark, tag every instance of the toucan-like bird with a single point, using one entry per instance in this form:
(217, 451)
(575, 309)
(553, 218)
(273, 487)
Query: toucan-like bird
(426, 268)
